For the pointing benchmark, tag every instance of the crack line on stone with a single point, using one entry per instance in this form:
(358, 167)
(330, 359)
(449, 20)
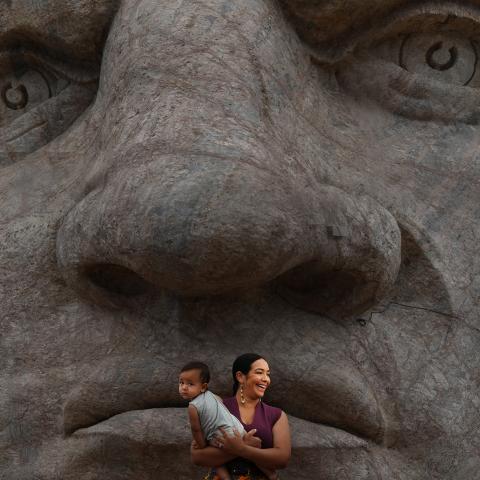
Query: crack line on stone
(426, 309)
(414, 307)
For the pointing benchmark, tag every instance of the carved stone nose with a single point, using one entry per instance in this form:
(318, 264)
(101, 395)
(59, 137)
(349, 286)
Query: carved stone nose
(211, 227)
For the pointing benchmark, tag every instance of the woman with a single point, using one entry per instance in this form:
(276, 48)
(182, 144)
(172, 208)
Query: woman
(251, 377)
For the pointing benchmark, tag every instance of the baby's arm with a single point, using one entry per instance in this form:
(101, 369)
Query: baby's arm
(197, 432)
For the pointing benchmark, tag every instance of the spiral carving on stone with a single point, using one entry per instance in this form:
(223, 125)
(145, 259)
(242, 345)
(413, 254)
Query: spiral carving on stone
(435, 50)
(15, 98)
(448, 58)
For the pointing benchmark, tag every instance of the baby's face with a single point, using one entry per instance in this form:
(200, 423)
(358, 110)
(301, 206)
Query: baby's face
(190, 384)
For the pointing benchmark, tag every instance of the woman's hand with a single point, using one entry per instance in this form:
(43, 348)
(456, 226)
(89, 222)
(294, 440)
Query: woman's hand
(252, 441)
(232, 444)
(269, 458)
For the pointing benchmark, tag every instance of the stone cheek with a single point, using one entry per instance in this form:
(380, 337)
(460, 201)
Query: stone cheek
(231, 177)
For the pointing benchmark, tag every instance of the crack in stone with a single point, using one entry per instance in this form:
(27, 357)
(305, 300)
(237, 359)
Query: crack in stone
(426, 309)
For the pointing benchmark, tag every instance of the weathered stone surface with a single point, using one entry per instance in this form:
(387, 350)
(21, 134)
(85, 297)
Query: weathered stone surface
(190, 179)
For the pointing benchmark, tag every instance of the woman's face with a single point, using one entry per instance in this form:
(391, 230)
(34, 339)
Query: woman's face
(257, 380)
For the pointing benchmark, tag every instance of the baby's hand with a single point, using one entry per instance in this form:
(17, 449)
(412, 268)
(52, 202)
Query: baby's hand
(215, 443)
(252, 441)
(194, 445)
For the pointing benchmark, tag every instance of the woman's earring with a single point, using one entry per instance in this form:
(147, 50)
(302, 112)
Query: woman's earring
(242, 398)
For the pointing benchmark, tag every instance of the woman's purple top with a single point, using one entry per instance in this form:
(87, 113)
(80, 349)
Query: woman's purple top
(264, 419)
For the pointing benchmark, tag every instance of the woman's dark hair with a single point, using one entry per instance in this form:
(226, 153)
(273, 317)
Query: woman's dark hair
(243, 363)
(202, 367)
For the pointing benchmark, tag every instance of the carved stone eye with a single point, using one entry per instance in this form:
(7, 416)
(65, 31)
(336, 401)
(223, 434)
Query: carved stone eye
(40, 97)
(448, 58)
(21, 92)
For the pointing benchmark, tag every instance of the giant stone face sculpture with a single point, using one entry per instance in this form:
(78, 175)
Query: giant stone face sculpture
(190, 179)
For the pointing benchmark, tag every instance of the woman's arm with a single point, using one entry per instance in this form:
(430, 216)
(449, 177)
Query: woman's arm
(213, 457)
(209, 456)
(271, 458)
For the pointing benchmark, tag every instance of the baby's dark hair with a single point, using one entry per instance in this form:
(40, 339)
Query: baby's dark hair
(202, 367)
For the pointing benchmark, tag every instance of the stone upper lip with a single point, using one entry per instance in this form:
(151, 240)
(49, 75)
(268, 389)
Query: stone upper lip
(337, 399)
(167, 426)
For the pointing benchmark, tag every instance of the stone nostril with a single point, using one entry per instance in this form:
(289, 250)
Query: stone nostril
(354, 267)
(328, 286)
(116, 279)
(335, 293)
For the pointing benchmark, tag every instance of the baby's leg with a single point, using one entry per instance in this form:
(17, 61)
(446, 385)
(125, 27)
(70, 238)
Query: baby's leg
(222, 473)
(270, 474)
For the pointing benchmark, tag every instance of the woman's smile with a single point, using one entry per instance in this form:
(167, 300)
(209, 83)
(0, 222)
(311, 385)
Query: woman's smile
(257, 380)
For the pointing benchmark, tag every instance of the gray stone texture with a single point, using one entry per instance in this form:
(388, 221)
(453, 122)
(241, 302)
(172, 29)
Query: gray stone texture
(186, 179)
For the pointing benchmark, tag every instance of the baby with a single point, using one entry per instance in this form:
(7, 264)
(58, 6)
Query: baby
(206, 411)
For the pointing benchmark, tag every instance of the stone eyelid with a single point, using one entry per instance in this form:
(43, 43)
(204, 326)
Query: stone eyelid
(69, 71)
(350, 43)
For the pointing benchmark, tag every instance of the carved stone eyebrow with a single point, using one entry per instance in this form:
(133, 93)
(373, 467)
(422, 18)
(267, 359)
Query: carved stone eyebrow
(319, 21)
(78, 29)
